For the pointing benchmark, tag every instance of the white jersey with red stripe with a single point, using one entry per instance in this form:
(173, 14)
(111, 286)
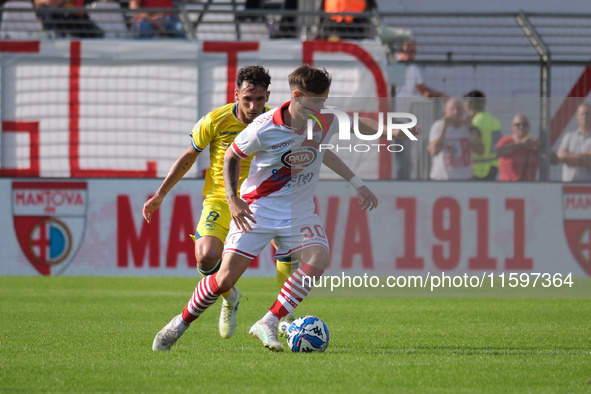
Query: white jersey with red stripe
(286, 167)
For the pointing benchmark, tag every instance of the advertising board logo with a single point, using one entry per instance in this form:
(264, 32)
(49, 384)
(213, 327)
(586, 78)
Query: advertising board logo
(49, 222)
(576, 205)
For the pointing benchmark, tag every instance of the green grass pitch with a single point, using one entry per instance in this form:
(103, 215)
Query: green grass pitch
(95, 335)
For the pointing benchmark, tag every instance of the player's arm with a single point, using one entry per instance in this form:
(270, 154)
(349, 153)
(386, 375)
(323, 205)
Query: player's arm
(574, 159)
(366, 197)
(438, 143)
(426, 91)
(368, 126)
(476, 144)
(176, 173)
(508, 149)
(239, 209)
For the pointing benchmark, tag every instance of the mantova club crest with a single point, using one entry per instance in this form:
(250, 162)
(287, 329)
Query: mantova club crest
(576, 203)
(49, 222)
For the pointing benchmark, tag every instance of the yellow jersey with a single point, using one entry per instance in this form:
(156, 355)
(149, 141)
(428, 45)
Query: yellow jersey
(218, 130)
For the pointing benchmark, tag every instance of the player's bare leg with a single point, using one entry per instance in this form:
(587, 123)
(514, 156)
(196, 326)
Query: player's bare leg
(208, 252)
(286, 266)
(315, 260)
(206, 293)
(233, 266)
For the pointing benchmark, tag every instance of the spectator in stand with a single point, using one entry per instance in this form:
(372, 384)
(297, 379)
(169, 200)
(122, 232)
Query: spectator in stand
(349, 27)
(451, 143)
(518, 153)
(414, 86)
(65, 23)
(485, 165)
(148, 25)
(574, 151)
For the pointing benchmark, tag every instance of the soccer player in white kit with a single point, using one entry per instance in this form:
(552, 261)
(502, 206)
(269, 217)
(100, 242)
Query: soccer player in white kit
(281, 182)
(277, 197)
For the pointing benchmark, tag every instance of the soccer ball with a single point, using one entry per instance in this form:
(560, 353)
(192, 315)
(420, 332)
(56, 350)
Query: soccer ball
(283, 327)
(308, 334)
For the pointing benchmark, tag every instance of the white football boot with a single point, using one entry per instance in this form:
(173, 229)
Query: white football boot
(228, 321)
(267, 334)
(169, 334)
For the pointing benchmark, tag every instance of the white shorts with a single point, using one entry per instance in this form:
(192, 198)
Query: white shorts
(289, 238)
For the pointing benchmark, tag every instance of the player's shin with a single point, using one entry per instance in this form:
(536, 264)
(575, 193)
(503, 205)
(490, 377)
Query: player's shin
(206, 294)
(212, 271)
(293, 292)
(285, 267)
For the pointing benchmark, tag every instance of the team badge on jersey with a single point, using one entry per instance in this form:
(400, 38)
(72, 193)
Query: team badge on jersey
(49, 222)
(576, 203)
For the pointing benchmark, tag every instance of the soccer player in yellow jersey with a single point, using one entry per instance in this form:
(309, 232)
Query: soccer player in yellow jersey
(218, 130)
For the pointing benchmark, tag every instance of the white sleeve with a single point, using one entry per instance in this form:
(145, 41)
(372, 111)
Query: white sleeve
(416, 77)
(247, 142)
(564, 143)
(435, 130)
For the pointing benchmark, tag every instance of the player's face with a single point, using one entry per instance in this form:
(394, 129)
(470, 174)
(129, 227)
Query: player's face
(469, 109)
(303, 104)
(409, 52)
(584, 117)
(251, 101)
(454, 111)
(520, 126)
(309, 100)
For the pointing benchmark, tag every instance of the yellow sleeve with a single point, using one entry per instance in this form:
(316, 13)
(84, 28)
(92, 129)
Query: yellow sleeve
(202, 133)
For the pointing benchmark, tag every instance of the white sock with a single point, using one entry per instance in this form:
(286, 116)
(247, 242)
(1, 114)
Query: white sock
(180, 324)
(232, 297)
(270, 318)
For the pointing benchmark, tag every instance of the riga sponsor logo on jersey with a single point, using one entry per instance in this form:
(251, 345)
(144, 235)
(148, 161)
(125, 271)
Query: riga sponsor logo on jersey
(299, 157)
(576, 205)
(49, 222)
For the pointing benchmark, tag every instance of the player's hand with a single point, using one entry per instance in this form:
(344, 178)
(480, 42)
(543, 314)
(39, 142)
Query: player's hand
(151, 206)
(366, 198)
(416, 131)
(530, 143)
(241, 213)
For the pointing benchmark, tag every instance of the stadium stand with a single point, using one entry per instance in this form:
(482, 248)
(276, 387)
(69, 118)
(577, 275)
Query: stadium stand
(19, 22)
(112, 23)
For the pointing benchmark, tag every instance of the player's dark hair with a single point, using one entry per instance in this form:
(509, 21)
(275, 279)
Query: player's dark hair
(254, 75)
(476, 99)
(310, 79)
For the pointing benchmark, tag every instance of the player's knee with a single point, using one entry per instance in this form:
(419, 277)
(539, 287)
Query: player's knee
(206, 260)
(320, 259)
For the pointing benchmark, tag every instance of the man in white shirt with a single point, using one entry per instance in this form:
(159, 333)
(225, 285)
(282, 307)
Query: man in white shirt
(451, 143)
(574, 151)
(414, 86)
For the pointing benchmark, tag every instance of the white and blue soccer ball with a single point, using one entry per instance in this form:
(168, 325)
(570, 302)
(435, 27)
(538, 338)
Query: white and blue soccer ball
(283, 327)
(308, 334)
